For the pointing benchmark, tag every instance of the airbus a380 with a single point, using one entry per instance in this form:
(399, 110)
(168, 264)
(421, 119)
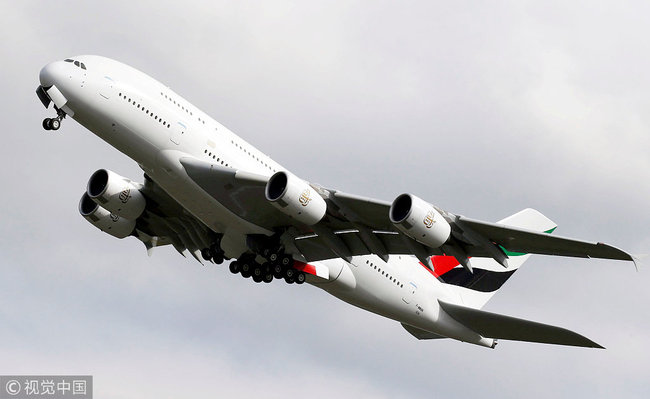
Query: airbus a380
(212, 195)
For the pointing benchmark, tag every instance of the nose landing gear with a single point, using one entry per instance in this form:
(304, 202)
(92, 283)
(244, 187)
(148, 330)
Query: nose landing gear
(51, 124)
(54, 123)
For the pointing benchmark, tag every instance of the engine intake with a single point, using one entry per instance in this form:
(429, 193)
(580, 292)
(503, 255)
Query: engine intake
(296, 198)
(419, 220)
(104, 220)
(116, 194)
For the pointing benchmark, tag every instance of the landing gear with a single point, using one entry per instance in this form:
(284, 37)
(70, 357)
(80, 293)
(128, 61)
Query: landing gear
(278, 270)
(234, 267)
(206, 254)
(257, 274)
(54, 123)
(213, 253)
(286, 260)
(300, 278)
(51, 124)
(281, 269)
(218, 258)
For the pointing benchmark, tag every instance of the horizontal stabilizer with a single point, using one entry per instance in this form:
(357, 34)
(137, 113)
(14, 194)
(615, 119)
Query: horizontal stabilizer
(493, 325)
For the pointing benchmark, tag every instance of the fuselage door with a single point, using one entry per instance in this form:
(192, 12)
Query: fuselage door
(177, 133)
(409, 293)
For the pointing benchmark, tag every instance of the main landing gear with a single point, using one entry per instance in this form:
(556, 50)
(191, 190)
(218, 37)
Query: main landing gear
(214, 253)
(277, 265)
(281, 268)
(54, 123)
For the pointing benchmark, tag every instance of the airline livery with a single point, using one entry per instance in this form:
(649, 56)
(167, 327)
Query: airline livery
(210, 194)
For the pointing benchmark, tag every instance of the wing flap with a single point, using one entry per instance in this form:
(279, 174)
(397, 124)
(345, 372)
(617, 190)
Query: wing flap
(499, 326)
(315, 248)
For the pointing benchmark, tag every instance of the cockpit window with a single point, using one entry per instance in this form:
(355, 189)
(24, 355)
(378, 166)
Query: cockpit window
(77, 63)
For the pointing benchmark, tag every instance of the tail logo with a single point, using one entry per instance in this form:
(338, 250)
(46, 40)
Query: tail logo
(429, 220)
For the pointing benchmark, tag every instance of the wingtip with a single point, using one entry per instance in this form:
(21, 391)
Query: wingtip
(637, 261)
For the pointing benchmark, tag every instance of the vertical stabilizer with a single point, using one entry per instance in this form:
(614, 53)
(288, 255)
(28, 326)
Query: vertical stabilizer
(475, 289)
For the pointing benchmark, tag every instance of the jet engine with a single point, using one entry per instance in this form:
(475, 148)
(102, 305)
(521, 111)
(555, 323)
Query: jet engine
(116, 194)
(104, 220)
(419, 220)
(296, 198)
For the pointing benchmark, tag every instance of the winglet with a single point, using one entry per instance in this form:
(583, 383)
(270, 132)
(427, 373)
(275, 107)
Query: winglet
(637, 260)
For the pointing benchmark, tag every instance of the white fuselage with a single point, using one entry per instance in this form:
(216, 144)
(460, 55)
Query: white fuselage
(155, 127)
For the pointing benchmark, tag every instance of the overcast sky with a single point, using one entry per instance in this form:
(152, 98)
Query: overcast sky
(480, 108)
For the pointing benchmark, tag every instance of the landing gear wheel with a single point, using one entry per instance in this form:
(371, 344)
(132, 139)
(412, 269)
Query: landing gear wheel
(268, 278)
(257, 272)
(300, 278)
(290, 273)
(234, 267)
(246, 269)
(286, 260)
(46, 124)
(273, 257)
(257, 278)
(218, 258)
(55, 124)
(216, 249)
(278, 271)
(266, 268)
(206, 254)
(289, 280)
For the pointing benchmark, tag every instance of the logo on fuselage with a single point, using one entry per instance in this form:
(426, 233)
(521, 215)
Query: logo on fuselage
(125, 195)
(429, 220)
(305, 197)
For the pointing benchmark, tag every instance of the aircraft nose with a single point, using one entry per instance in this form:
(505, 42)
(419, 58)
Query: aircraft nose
(51, 72)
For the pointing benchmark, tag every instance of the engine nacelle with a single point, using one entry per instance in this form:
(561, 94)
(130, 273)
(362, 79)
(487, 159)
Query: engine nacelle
(296, 198)
(116, 194)
(419, 220)
(107, 222)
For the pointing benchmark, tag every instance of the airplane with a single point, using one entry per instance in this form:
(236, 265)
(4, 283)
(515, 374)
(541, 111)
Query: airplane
(210, 194)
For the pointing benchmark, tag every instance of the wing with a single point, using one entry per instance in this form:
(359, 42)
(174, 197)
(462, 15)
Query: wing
(515, 241)
(355, 225)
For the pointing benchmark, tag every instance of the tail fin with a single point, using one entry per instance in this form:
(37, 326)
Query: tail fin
(476, 289)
